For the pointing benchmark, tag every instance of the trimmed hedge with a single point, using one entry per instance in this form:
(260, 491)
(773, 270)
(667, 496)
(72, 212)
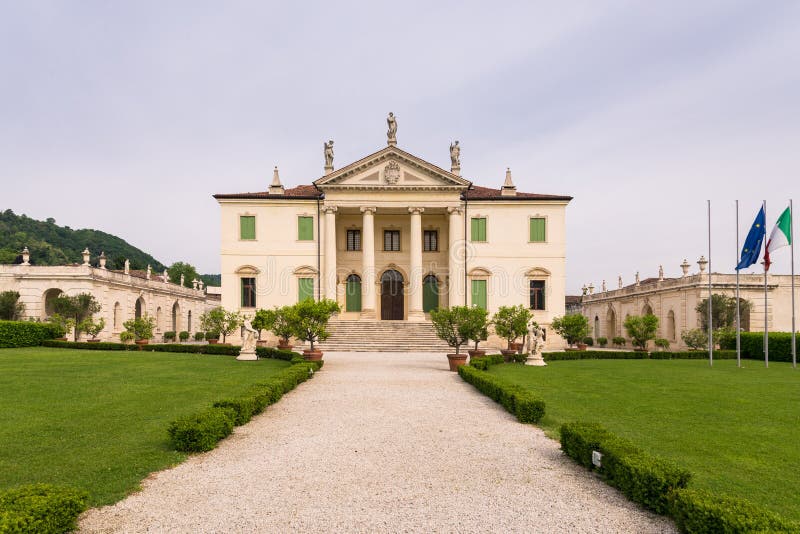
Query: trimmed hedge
(780, 345)
(693, 355)
(645, 479)
(276, 354)
(527, 407)
(15, 334)
(484, 362)
(225, 350)
(703, 512)
(41, 508)
(594, 355)
(201, 432)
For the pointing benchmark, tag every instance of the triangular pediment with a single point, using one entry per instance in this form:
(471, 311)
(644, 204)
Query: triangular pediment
(392, 168)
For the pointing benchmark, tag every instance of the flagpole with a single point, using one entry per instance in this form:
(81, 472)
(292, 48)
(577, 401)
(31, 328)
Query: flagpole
(738, 315)
(791, 242)
(766, 326)
(710, 329)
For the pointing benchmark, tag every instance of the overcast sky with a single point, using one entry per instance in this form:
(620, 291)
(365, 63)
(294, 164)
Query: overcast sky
(128, 116)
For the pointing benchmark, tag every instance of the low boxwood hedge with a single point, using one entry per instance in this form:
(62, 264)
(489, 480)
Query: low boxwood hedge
(701, 511)
(41, 508)
(484, 362)
(102, 345)
(692, 355)
(201, 431)
(15, 334)
(276, 354)
(594, 355)
(645, 479)
(225, 350)
(527, 407)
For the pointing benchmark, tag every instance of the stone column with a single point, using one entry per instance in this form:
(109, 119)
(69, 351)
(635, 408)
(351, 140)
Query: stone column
(415, 312)
(368, 263)
(330, 252)
(455, 257)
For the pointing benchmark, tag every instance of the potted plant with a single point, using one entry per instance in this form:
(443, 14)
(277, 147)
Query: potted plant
(310, 320)
(219, 321)
(126, 337)
(60, 326)
(283, 326)
(451, 326)
(212, 336)
(78, 308)
(263, 320)
(199, 336)
(141, 328)
(573, 328)
(661, 343)
(169, 335)
(618, 341)
(602, 341)
(477, 329)
(93, 328)
(511, 323)
(183, 336)
(641, 329)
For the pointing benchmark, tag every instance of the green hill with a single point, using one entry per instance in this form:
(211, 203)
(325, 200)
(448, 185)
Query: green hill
(51, 244)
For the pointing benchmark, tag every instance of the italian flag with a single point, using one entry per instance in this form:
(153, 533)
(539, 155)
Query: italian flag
(780, 237)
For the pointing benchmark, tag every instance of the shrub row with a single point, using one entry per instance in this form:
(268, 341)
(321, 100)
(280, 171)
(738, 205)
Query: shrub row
(201, 431)
(24, 334)
(631, 355)
(41, 508)
(644, 479)
(526, 406)
(484, 362)
(276, 354)
(752, 343)
(225, 350)
(693, 355)
(660, 485)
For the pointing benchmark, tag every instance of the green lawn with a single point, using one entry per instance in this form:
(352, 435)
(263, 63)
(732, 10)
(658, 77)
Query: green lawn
(98, 420)
(737, 430)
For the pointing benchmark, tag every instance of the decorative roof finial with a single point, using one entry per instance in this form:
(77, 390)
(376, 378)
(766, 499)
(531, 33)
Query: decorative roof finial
(102, 259)
(508, 189)
(685, 268)
(26, 256)
(86, 256)
(660, 273)
(276, 188)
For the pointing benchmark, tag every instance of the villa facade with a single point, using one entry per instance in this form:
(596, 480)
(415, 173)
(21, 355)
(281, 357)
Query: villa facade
(391, 237)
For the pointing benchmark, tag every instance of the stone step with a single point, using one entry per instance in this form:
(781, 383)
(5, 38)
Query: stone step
(382, 336)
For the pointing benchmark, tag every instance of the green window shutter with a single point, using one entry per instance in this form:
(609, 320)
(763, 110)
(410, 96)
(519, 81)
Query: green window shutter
(305, 288)
(305, 228)
(430, 295)
(247, 227)
(479, 293)
(353, 295)
(478, 229)
(538, 226)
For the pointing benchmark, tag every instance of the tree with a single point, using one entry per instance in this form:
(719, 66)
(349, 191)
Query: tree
(180, 268)
(11, 309)
(477, 326)
(573, 327)
(220, 321)
(641, 329)
(77, 308)
(511, 322)
(92, 327)
(696, 338)
(283, 324)
(723, 311)
(451, 325)
(263, 320)
(141, 327)
(310, 319)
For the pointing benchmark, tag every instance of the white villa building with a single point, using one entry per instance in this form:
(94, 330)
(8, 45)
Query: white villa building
(391, 237)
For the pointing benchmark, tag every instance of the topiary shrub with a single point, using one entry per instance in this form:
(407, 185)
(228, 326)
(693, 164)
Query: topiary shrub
(41, 508)
(201, 432)
(602, 341)
(588, 341)
(199, 336)
(618, 341)
(169, 335)
(701, 511)
(126, 337)
(183, 336)
(661, 343)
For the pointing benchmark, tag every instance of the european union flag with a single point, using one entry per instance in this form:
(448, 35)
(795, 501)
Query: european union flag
(752, 245)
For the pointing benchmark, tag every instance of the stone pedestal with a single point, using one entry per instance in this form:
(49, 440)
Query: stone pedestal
(536, 360)
(247, 355)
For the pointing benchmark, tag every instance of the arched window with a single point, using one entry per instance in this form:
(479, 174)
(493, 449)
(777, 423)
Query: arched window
(48, 297)
(596, 326)
(117, 317)
(139, 308)
(159, 323)
(176, 317)
(353, 293)
(611, 324)
(430, 293)
(671, 333)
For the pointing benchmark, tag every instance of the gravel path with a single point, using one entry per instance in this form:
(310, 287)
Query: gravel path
(379, 443)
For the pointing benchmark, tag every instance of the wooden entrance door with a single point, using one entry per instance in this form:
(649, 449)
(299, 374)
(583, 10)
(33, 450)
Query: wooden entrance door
(392, 296)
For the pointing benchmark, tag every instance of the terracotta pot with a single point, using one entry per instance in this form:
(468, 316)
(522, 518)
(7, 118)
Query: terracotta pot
(142, 341)
(476, 353)
(515, 346)
(60, 339)
(213, 341)
(582, 346)
(93, 341)
(261, 343)
(456, 361)
(285, 346)
(312, 355)
(508, 354)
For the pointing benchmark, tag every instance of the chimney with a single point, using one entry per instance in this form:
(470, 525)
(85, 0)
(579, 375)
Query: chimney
(509, 189)
(276, 188)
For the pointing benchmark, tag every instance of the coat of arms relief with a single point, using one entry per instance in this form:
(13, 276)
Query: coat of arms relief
(391, 173)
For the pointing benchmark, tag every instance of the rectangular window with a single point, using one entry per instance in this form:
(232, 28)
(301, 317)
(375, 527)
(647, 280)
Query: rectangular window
(391, 240)
(478, 229)
(305, 288)
(479, 293)
(354, 240)
(430, 241)
(305, 228)
(248, 292)
(538, 227)
(537, 294)
(247, 227)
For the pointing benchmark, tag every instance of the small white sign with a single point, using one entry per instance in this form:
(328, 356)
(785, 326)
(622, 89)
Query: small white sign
(597, 458)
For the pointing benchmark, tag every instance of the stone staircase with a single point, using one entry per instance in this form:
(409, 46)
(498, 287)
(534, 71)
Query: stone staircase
(382, 336)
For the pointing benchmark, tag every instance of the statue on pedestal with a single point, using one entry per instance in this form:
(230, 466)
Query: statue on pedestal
(535, 346)
(249, 335)
(391, 134)
(455, 155)
(127, 267)
(328, 149)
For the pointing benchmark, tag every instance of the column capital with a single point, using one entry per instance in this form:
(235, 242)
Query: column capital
(329, 209)
(370, 209)
(415, 209)
(457, 210)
